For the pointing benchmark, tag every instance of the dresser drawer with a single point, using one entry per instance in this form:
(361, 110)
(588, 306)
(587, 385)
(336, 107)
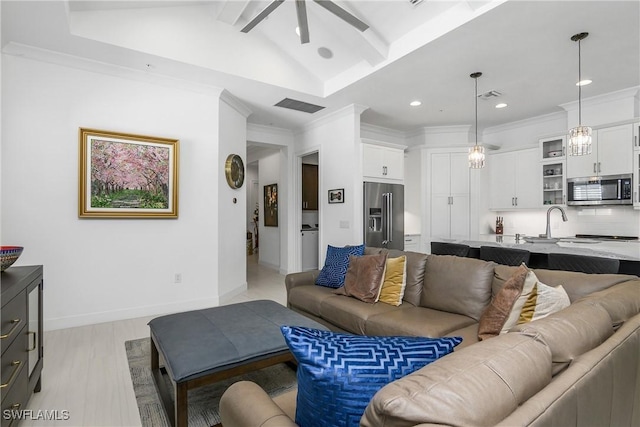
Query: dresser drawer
(15, 399)
(14, 318)
(13, 362)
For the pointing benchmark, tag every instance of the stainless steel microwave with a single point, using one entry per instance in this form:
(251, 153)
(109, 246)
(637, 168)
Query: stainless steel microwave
(600, 190)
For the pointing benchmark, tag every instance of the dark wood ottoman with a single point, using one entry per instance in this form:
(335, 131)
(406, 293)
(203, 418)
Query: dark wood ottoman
(205, 346)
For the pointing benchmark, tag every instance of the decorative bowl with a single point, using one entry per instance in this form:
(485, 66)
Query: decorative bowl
(9, 255)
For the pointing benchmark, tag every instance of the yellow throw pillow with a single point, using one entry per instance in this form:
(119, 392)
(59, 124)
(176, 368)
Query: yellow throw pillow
(395, 281)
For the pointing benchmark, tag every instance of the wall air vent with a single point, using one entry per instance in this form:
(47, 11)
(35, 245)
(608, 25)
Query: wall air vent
(415, 2)
(293, 104)
(489, 95)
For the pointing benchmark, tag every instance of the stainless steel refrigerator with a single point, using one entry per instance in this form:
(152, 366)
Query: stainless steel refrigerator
(384, 215)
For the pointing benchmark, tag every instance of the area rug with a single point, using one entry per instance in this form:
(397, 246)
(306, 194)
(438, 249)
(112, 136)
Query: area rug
(203, 401)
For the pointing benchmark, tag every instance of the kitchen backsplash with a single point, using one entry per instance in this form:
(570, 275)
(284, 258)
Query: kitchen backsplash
(606, 220)
(310, 217)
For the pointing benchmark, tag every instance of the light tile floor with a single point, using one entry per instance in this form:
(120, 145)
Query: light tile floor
(86, 371)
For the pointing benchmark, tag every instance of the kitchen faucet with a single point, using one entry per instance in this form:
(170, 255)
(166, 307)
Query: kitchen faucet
(564, 218)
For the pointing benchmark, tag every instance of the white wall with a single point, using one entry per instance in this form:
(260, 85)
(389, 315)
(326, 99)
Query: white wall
(232, 203)
(269, 173)
(105, 269)
(337, 137)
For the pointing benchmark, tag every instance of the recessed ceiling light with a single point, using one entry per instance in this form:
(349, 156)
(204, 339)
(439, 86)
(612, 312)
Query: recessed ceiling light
(501, 105)
(415, 103)
(325, 52)
(584, 82)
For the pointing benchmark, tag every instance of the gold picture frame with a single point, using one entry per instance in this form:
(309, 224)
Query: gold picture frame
(124, 175)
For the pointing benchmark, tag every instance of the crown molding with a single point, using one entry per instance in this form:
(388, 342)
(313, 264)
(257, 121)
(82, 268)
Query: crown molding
(631, 92)
(349, 110)
(531, 121)
(235, 103)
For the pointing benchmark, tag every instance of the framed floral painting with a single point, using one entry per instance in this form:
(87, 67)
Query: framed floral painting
(127, 176)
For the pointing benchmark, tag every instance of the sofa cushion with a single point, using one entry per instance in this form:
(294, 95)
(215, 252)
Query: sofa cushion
(457, 285)
(309, 297)
(415, 321)
(476, 386)
(395, 281)
(350, 314)
(578, 285)
(364, 277)
(339, 373)
(622, 301)
(497, 312)
(336, 264)
(572, 331)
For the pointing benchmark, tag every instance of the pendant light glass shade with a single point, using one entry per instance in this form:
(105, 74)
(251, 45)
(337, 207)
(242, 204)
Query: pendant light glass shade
(476, 157)
(476, 153)
(580, 141)
(579, 136)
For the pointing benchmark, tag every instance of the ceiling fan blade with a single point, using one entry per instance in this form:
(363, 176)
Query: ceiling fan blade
(342, 14)
(303, 25)
(260, 16)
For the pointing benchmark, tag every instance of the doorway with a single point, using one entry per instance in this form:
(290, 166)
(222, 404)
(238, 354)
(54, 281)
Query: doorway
(310, 223)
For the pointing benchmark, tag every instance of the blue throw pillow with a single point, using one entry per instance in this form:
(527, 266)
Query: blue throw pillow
(338, 374)
(336, 264)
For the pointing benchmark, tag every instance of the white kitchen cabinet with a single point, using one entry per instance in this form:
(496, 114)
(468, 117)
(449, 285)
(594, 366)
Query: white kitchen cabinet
(553, 168)
(449, 189)
(610, 155)
(412, 242)
(515, 180)
(383, 164)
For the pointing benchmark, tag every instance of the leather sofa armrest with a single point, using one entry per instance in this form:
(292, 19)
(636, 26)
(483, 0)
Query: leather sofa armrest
(299, 279)
(263, 413)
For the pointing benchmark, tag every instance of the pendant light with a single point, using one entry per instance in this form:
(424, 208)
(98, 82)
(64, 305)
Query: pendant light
(476, 153)
(579, 136)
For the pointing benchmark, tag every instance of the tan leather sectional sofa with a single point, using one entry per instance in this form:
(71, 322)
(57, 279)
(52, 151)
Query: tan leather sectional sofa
(577, 367)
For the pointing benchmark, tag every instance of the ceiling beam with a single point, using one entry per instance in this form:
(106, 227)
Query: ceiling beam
(231, 10)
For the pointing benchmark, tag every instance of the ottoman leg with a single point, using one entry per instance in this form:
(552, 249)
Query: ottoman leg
(170, 408)
(181, 407)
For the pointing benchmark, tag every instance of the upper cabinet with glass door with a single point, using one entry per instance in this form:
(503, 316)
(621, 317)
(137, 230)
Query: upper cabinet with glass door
(553, 167)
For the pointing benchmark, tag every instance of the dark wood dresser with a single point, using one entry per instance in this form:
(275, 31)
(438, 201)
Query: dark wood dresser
(21, 338)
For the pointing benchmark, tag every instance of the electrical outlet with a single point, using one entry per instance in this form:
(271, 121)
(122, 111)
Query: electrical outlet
(177, 278)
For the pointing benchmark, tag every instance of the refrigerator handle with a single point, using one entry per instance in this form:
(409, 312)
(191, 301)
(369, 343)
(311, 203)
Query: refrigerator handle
(385, 226)
(390, 219)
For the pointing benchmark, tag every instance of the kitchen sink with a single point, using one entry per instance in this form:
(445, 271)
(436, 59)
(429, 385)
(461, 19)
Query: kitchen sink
(531, 239)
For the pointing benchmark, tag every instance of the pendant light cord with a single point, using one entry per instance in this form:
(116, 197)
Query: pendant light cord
(579, 83)
(476, 79)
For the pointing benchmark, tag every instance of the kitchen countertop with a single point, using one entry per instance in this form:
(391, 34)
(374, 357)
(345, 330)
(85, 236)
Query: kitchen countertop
(622, 250)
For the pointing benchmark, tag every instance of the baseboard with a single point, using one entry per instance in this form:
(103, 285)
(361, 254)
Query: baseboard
(228, 296)
(129, 313)
(275, 267)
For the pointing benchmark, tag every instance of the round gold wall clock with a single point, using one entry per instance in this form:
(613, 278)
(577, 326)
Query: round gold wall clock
(234, 171)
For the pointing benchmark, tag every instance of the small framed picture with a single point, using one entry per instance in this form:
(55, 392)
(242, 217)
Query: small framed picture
(336, 196)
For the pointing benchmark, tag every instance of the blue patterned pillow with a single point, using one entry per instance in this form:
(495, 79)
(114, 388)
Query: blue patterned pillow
(338, 374)
(336, 264)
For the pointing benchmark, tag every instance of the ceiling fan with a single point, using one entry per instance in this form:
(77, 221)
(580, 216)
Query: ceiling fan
(301, 10)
